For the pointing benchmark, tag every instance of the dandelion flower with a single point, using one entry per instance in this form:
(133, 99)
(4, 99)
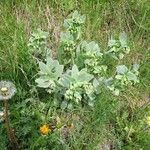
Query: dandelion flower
(7, 90)
(44, 129)
(148, 120)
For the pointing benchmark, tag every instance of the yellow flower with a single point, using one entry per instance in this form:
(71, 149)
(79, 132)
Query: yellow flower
(148, 120)
(44, 129)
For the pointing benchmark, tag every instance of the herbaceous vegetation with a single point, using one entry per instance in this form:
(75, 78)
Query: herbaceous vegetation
(76, 81)
(78, 93)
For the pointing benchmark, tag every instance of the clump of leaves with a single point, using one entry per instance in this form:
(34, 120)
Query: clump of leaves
(38, 43)
(123, 78)
(73, 24)
(77, 88)
(92, 58)
(67, 48)
(118, 48)
(49, 74)
(69, 38)
(74, 87)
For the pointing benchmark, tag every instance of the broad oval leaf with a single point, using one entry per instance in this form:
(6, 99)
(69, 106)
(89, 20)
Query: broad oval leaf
(42, 83)
(74, 72)
(123, 39)
(84, 76)
(121, 69)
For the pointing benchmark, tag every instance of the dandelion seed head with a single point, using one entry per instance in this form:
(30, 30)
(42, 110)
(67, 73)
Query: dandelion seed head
(7, 90)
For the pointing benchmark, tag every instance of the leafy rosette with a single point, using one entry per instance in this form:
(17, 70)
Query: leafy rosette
(78, 88)
(123, 77)
(118, 48)
(92, 56)
(49, 73)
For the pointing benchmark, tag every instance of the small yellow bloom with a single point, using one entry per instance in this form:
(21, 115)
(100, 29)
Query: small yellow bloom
(44, 129)
(148, 120)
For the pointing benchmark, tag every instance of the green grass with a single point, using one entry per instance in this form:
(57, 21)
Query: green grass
(112, 117)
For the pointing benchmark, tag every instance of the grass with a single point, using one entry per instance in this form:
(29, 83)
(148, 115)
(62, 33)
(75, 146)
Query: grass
(20, 17)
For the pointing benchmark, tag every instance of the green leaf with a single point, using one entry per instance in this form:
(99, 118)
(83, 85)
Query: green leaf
(65, 80)
(70, 106)
(81, 47)
(121, 69)
(82, 18)
(43, 68)
(84, 76)
(94, 46)
(65, 37)
(75, 14)
(136, 67)
(39, 34)
(111, 42)
(90, 102)
(132, 77)
(64, 105)
(49, 62)
(119, 77)
(59, 70)
(66, 23)
(95, 83)
(123, 39)
(42, 83)
(74, 71)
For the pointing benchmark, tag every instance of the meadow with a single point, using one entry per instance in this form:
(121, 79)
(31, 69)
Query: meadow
(81, 69)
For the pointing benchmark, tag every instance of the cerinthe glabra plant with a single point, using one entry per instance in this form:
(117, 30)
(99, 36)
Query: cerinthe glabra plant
(82, 68)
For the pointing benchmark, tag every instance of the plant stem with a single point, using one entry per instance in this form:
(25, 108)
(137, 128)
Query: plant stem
(10, 132)
(7, 120)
